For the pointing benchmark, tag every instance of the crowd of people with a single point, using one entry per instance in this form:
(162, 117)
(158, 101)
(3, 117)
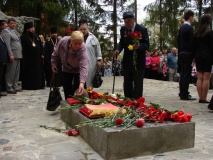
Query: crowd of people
(31, 59)
(76, 58)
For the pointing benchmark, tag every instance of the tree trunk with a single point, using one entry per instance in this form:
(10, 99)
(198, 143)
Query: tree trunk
(38, 23)
(76, 15)
(115, 24)
(161, 22)
(200, 8)
(136, 11)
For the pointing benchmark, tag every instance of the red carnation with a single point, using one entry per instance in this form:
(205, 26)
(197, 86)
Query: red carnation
(161, 118)
(183, 119)
(119, 121)
(140, 100)
(189, 116)
(69, 132)
(175, 117)
(180, 113)
(139, 34)
(140, 122)
(68, 31)
(75, 132)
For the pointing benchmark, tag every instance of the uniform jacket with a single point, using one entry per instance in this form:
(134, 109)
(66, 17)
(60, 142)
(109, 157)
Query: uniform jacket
(13, 43)
(126, 40)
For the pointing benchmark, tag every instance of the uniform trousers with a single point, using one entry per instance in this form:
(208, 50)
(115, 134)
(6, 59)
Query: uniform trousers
(133, 83)
(185, 73)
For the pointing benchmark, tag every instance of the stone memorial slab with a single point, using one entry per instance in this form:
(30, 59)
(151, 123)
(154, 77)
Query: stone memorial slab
(112, 143)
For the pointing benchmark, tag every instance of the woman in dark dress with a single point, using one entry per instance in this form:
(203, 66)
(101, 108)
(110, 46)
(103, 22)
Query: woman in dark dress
(203, 49)
(32, 71)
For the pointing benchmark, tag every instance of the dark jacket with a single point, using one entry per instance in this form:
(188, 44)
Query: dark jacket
(126, 40)
(185, 38)
(3, 52)
(203, 48)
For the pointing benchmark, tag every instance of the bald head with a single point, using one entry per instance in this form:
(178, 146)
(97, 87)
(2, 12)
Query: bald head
(174, 50)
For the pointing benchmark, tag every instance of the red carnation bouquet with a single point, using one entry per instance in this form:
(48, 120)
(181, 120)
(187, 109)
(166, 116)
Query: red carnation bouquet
(136, 37)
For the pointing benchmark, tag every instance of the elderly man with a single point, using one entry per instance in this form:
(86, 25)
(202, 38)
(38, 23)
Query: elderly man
(172, 63)
(133, 60)
(14, 48)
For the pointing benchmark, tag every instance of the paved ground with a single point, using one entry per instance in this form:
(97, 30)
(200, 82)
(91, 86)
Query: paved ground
(21, 138)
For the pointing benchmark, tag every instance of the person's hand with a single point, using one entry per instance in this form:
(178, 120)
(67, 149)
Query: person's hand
(117, 52)
(136, 46)
(153, 64)
(80, 89)
(11, 58)
(54, 69)
(98, 64)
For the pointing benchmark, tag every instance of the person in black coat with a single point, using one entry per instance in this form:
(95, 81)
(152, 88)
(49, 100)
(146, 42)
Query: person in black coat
(49, 46)
(203, 50)
(185, 55)
(133, 68)
(32, 72)
(3, 62)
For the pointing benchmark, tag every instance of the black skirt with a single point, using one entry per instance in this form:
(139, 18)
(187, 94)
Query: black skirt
(202, 66)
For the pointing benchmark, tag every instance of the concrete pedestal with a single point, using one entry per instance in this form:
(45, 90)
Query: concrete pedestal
(153, 138)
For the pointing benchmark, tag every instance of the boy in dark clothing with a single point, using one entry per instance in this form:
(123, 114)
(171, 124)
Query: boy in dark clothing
(185, 37)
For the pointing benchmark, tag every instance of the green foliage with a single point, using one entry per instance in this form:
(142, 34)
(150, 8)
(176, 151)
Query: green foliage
(164, 18)
(53, 11)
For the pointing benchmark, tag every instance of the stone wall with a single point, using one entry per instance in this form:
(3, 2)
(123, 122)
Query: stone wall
(19, 21)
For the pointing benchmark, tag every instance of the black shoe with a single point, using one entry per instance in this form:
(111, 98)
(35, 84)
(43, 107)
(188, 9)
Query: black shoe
(210, 106)
(203, 101)
(187, 98)
(11, 91)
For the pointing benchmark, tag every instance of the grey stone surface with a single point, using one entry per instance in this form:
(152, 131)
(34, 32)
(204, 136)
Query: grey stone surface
(19, 21)
(113, 144)
(26, 117)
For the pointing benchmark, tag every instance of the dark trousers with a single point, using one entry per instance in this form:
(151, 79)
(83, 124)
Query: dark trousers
(70, 83)
(185, 73)
(147, 73)
(3, 68)
(154, 74)
(133, 83)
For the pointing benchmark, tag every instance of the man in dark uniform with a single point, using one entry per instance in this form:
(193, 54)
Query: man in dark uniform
(133, 68)
(3, 62)
(50, 44)
(186, 55)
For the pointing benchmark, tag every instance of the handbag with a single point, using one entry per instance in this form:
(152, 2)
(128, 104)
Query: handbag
(97, 82)
(54, 95)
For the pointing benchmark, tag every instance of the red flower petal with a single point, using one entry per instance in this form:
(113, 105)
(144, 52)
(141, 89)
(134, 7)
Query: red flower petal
(139, 123)
(119, 121)
(75, 132)
(69, 132)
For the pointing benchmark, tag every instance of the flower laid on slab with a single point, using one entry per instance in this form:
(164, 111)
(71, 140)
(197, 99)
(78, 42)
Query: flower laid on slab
(118, 111)
(139, 122)
(119, 121)
(69, 132)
